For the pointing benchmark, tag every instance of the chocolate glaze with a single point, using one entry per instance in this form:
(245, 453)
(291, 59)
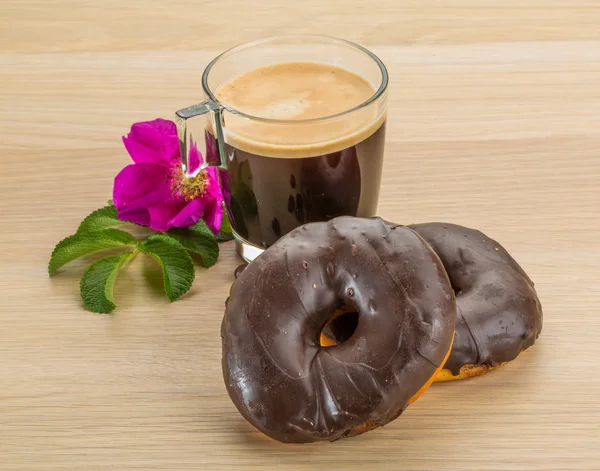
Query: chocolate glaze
(275, 370)
(498, 311)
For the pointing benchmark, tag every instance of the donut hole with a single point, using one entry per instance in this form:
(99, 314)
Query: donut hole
(340, 327)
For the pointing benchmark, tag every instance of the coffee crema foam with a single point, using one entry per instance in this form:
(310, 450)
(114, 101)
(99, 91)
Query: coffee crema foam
(296, 91)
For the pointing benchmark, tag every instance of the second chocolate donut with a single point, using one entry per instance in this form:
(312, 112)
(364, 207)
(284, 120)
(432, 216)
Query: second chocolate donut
(498, 311)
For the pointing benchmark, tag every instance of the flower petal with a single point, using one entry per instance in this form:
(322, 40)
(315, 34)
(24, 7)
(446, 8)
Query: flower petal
(189, 215)
(140, 186)
(225, 186)
(213, 212)
(162, 214)
(214, 188)
(213, 216)
(212, 149)
(138, 216)
(153, 141)
(194, 157)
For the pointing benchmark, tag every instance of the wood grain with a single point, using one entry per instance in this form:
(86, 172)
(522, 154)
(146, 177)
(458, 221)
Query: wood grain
(494, 122)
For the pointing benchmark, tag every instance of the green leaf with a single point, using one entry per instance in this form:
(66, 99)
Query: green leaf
(78, 245)
(225, 233)
(102, 218)
(197, 239)
(176, 264)
(97, 282)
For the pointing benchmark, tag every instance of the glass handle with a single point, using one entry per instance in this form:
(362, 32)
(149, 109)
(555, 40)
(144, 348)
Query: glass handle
(191, 132)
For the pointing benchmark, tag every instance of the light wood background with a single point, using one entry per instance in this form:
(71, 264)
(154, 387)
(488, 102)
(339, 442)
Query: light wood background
(494, 122)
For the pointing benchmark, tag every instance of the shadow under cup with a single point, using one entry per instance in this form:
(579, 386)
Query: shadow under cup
(298, 171)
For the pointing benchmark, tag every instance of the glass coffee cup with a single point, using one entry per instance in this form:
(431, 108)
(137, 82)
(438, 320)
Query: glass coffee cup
(296, 125)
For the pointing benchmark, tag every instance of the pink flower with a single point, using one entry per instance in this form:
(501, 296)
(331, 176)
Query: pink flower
(154, 191)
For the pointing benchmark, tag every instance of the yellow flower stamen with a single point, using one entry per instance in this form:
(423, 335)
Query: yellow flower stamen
(188, 188)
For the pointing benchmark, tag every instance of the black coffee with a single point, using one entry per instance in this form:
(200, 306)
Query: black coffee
(280, 176)
(270, 196)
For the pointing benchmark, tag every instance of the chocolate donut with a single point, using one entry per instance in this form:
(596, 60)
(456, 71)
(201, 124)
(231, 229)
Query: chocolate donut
(498, 312)
(277, 373)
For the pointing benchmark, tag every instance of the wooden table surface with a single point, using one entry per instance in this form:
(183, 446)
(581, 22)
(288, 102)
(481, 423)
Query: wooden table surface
(494, 122)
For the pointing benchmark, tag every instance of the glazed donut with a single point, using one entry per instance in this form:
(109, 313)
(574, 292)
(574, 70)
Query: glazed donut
(498, 312)
(277, 373)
